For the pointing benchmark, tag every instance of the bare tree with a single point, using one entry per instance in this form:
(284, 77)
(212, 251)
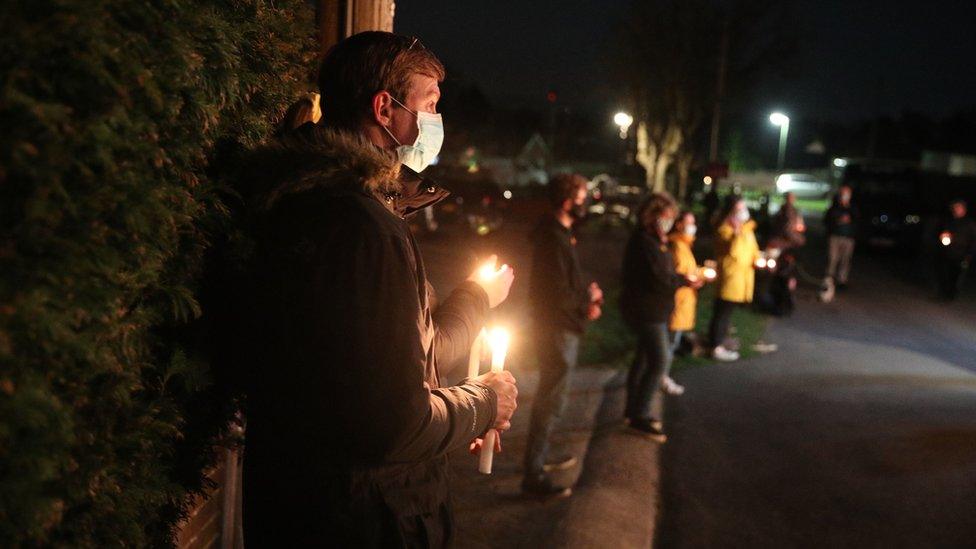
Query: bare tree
(674, 53)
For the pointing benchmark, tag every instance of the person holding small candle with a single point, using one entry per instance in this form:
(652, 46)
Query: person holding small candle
(957, 247)
(682, 321)
(646, 302)
(561, 303)
(348, 426)
(736, 251)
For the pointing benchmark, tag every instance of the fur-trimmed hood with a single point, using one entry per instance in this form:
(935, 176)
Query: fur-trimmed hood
(316, 157)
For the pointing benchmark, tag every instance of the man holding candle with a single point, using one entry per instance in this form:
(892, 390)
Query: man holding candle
(348, 426)
(561, 304)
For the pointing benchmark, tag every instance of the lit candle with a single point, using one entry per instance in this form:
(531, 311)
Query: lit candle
(487, 272)
(498, 340)
(946, 238)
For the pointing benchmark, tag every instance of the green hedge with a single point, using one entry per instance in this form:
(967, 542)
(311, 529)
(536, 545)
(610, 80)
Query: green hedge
(111, 113)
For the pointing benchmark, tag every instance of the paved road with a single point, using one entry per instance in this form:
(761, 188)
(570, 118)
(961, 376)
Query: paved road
(859, 432)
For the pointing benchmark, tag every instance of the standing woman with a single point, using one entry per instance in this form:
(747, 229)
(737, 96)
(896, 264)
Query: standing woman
(736, 251)
(682, 321)
(647, 299)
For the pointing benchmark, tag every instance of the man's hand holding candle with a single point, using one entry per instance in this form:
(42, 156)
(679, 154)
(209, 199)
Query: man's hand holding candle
(503, 383)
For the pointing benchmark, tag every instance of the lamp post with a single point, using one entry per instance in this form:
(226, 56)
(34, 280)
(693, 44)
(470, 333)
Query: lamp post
(783, 121)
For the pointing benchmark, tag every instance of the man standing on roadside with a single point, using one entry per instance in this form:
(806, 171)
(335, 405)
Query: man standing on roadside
(561, 304)
(840, 221)
(957, 246)
(348, 427)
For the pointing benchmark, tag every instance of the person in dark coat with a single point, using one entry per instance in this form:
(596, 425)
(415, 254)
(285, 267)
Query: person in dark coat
(840, 220)
(561, 303)
(787, 232)
(348, 426)
(957, 246)
(646, 301)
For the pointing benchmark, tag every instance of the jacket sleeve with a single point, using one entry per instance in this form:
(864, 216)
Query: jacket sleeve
(829, 220)
(457, 321)
(380, 344)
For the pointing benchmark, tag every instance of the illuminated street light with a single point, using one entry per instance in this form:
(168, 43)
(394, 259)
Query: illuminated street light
(783, 121)
(623, 120)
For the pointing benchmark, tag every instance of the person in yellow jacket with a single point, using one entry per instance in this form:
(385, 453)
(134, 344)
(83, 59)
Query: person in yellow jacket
(736, 251)
(681, 239)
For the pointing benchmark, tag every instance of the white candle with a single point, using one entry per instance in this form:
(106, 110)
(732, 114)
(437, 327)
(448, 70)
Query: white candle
(498, 340)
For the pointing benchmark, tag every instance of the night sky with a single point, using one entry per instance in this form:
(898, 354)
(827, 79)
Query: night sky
(855, 58)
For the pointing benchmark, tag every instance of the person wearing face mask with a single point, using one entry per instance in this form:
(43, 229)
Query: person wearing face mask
(561, 304)
(348, 426)
(682, 321)
(840, 220)
(649, 282)
(736, 251)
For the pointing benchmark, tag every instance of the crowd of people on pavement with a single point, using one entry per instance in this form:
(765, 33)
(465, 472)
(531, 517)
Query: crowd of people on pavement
(348, 423)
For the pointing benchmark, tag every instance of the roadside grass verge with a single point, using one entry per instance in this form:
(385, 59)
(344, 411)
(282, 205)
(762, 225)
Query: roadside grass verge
(609, 343)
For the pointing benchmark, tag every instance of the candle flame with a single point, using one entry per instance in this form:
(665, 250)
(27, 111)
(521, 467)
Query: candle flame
(946, 238)
(761, 263)
(487, 271)
(771, 263)
(709, 273)
(498, 339)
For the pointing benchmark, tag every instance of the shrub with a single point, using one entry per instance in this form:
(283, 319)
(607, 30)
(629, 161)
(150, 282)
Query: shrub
(111, 193)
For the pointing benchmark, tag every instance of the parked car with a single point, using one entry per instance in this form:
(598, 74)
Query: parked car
(802, 185)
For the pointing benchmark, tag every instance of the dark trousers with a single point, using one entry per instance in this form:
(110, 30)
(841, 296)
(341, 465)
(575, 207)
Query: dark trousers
(721, 319)
(950, 273)
(651, 360)
(557, 351)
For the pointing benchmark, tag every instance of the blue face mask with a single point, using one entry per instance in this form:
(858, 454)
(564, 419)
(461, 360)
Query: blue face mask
(430, 137)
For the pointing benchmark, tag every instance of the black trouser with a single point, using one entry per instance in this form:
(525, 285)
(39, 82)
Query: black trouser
(950, 273)
(721, 318)
(557, 351)
(651, 361)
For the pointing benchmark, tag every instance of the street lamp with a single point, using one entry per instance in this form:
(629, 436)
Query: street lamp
(783, 121)
(623, 120)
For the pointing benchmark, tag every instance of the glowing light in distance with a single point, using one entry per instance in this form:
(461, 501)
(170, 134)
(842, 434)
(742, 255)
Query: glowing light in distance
(707, 180)
(779, 119)
(945, 238)
(507, 194)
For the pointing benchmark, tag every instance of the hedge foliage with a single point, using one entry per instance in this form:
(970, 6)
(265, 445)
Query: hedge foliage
(111, 113)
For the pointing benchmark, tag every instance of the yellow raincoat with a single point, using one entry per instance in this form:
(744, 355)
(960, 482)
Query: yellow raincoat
(736, 255)
(686, 297)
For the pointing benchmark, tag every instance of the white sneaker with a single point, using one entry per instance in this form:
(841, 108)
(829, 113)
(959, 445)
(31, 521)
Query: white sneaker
(724, 355)
(671, 387)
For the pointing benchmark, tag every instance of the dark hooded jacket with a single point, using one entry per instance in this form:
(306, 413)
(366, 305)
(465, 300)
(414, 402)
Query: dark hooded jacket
(558, 295)
(649, 280)
(348, 427)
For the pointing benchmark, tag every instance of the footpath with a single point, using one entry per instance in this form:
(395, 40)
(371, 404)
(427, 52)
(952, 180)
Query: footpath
(615, 483)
